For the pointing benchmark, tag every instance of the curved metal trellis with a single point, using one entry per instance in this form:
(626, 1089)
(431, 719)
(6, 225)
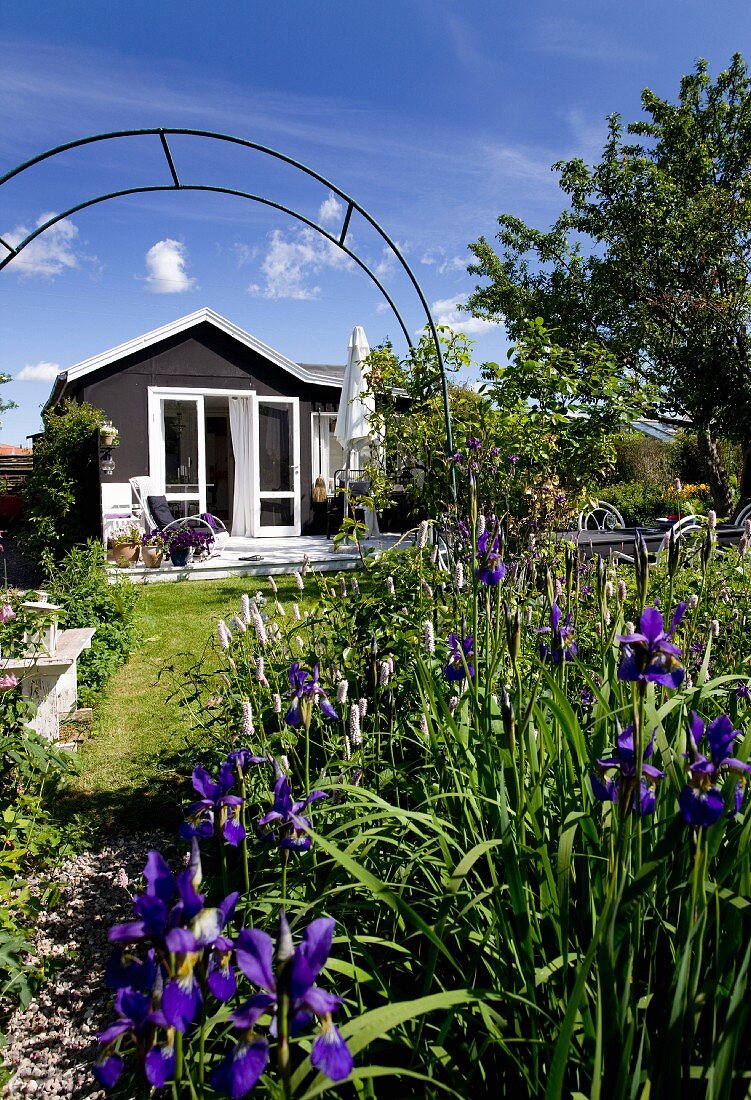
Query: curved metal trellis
(177, 185)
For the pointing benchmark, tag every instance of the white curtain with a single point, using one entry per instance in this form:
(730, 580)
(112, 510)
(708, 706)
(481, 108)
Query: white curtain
(240, 433)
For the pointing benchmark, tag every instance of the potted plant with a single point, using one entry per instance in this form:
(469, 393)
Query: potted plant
(185, 539)
(109, 436)
(153, 547)
(123, 548)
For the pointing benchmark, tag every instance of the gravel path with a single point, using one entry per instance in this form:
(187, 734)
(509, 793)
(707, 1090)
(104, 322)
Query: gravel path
(52, 1043)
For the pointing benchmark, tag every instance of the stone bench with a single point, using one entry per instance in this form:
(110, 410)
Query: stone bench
(51, 683)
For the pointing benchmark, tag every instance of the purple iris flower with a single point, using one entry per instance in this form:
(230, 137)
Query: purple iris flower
(218, 811)
(701, 801)
(460, 652)
(474, 445)
(136, 1020)
(151, 907)
(294, 970)
(649, 654)
(125, 969)
(132, 1008)
(305, 693)
(491, 568)
(743, 691)
(513, 459)
(562, 647)
(286, 817)
(182, 934)
(238, 764)
(622, 788)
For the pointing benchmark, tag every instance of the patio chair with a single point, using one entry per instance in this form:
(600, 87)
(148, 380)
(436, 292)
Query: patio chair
(156, 514)
(355, 482)
(686, 524)
(600, 516)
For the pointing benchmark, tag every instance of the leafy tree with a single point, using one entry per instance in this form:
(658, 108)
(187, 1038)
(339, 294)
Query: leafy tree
(535, 440)
(652, 258)
(409, 417)
(58, 495)
(5, 405)
(562, 408)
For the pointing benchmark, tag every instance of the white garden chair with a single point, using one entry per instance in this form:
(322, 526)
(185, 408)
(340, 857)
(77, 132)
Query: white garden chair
(145, 488)
(600, 516)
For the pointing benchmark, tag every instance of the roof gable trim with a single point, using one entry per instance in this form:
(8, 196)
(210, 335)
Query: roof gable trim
(183, 324)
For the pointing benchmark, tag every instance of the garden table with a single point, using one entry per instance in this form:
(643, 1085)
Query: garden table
(621, 540)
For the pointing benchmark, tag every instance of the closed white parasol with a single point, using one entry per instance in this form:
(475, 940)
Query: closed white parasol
(353, 419)
(355, 409)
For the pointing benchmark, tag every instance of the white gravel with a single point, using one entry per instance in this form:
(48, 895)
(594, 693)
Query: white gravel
(52, 1043)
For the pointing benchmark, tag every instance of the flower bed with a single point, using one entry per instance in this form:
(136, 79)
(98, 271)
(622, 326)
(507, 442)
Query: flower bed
(500, 813)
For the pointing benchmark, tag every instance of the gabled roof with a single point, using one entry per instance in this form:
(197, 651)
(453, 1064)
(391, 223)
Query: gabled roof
(318, 376)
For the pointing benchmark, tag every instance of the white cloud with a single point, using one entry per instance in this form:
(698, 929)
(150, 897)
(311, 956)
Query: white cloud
(330, 210)
(244, 253)
(382, 307)
(443, 263)
(48, 255)
(38, 372)
(291, 261)
(446, 312)
(385, 265)
(165, 263)
(587, 42)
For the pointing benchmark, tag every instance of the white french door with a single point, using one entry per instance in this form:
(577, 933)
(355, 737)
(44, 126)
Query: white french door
(276, 473)
(177, 447)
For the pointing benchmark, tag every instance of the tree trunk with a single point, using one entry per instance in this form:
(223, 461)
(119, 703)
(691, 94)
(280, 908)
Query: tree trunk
(719, 483)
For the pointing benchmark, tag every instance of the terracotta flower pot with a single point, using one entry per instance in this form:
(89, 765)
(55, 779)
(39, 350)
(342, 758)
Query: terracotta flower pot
(126, 552)
(151, 556)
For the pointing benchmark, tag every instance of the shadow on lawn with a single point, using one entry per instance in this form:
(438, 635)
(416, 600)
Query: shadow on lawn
(154, 804)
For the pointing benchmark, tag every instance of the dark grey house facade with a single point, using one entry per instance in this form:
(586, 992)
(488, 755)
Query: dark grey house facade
(219, 421)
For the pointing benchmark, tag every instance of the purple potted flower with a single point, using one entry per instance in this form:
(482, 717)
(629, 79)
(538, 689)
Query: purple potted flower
(185, 539)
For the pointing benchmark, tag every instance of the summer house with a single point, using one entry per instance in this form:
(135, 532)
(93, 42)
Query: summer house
(221, 422)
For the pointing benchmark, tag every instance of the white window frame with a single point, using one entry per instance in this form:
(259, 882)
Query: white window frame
(294, 494)
(157, 394)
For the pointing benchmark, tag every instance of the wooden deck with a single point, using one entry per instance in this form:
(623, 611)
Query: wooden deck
(243, 557)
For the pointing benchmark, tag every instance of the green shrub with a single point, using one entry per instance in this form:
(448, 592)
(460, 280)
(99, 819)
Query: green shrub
(58, 493)
(641, 457)
(639, 502)
(31, 770)
(80, 584)
(689, 464)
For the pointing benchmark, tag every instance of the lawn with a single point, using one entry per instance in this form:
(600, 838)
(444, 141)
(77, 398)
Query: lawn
(138, 721)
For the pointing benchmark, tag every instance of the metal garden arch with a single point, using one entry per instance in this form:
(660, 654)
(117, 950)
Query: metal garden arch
(177, 185)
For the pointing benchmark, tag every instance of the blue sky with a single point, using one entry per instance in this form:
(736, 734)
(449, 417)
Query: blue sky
(435, 115)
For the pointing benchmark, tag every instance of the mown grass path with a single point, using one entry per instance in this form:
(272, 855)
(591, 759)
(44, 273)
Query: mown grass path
(136, 722)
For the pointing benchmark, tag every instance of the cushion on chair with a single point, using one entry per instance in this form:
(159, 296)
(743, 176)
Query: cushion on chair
(160, 510)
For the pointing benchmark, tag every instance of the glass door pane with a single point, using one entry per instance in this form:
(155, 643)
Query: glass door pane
(278, 467)
(182, 428)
